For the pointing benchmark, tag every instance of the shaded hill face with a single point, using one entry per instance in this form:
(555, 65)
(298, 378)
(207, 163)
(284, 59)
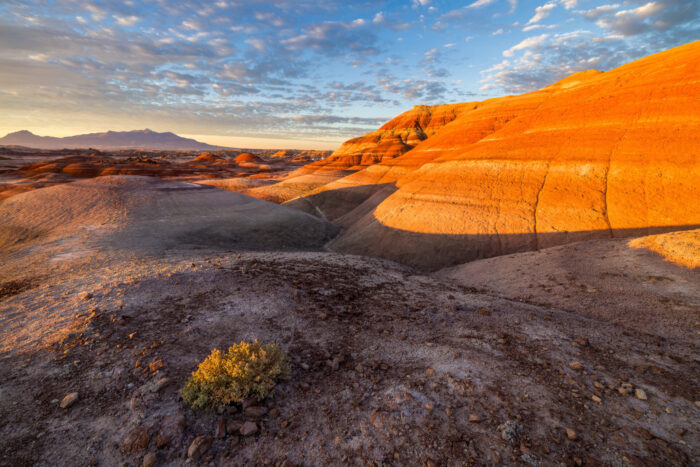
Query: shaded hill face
(138, 139)
(596, 155)
(149, 215)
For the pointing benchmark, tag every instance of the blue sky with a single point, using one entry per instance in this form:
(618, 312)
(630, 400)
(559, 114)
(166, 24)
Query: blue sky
(300, 73)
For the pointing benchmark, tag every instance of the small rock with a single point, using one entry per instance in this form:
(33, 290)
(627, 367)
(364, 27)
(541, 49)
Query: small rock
(255, 411)
(571, 434)
(69, 400)
(160, 384)
(510, 431)
(198, 447)
(248, 428)
(697, 404)
(284, 423)
(429, 406)
(640, 394)
(137, 440)
(625, 388)
(149, 460)
(233, 426)
(251, 401)
(598, 385)
(577, 366)
(474, 418)
(581, 341)
(430, 372)
(305, 366)
(86, 296)
(220, 429)
(596, 399)
(172, 427)
(376, 420)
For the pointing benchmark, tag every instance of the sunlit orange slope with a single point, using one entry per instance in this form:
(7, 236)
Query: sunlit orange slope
(599, 155)
(469, 123)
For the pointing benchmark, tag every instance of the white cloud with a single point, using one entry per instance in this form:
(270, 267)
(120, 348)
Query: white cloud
(497, 32)
(126, 20)
(530, 42)
(480, 3)
(597, 12)
(533, 27)
(569, 4)
(257, 44)
(541, 12)
(378, 18)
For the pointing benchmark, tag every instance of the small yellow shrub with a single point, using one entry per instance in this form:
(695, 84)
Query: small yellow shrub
(245, 370)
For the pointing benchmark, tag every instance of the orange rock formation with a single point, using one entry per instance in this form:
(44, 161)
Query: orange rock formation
(596, 155)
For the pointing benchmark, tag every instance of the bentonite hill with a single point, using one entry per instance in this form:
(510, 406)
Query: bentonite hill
(513, 281)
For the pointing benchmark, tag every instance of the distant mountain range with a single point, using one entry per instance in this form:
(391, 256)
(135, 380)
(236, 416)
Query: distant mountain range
(137, 139)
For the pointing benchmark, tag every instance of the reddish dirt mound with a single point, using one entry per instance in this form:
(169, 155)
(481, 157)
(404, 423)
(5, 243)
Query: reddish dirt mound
(247, 157)
(207, 157)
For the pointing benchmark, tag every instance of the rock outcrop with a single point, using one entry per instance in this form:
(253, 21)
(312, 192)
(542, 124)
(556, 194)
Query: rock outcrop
(597, 155)
(392, 140)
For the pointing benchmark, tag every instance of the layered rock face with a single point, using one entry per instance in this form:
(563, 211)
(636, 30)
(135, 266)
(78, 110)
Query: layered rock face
(392, 140)
(597, 155)
(370, 185)
(395, 137)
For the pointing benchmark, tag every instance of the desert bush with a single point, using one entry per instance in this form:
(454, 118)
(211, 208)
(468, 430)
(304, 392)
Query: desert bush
(245, 370)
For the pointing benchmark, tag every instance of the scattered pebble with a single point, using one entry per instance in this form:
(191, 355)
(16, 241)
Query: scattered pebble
(596, 399)
(199, 446)
(577, 366)
(474, 418)
(625, 388)
(137, 440)
(640, 394)
(248, 428)
(220, 428)
(255, 411)
(571, 434)
(233, 426)
(149, 460)
(172, 427)
(160, 384)
(510, 431)
(69, 400)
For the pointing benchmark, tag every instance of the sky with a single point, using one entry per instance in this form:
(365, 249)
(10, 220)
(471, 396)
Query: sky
(300, 73)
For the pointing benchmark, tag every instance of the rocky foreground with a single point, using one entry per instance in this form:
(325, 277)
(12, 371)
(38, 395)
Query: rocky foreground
(109, 298)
